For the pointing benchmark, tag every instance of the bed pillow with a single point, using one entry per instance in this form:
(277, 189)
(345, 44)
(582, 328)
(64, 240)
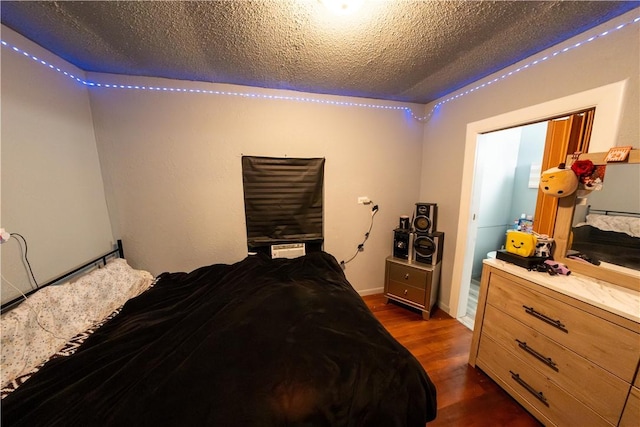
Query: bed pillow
(36, 329)
(620, 224)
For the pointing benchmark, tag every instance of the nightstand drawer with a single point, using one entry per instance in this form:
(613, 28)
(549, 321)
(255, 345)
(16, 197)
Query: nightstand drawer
(596, 388)
(410, 293)
(412, 284)
(608, 345)
(533, 389)
(407, 275)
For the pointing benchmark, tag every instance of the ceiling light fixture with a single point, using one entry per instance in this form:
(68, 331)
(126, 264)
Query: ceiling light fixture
(342, 7)
(407, 110)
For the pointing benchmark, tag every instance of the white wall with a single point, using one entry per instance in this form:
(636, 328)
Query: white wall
(619, 191)
(494, 184)
(52, 190)
(172, 169)
(501, 181)
(531, 150)
(496, 162)
(606, 60)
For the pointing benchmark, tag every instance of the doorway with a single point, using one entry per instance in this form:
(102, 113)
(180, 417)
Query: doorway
(508, 164)
(505, 192)
(607, 100)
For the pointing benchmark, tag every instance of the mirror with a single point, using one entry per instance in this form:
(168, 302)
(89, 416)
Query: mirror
(606, 235)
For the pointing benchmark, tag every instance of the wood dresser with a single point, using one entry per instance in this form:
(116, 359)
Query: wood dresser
(566, 347)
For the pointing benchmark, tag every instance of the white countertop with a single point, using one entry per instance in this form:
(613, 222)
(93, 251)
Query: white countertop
(616, 299)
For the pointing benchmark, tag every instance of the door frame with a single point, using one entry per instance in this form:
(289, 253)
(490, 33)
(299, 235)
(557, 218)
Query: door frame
(608, 101)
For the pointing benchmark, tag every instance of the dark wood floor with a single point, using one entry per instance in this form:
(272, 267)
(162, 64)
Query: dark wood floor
(466, 396)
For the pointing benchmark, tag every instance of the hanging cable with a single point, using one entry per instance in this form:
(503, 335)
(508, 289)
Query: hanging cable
(37, 313)
(374, 211)
(25, 257)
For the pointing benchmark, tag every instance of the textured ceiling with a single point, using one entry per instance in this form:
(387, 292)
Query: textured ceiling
(401, 50)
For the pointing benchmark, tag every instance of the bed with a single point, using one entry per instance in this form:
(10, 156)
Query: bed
(262, 342)
(608, 236)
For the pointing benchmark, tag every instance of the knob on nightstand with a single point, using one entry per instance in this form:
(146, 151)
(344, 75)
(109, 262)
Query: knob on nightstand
(405, 292)
(406, 276)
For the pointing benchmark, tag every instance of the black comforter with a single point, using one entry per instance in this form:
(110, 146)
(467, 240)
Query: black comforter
(258, 343)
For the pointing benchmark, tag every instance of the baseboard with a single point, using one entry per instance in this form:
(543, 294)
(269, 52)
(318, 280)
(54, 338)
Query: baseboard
(444, 307)
(466, 321)
(372, 291)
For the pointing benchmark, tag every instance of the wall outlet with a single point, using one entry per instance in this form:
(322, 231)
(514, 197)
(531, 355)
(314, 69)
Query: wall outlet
(4, 235)
(363, 200)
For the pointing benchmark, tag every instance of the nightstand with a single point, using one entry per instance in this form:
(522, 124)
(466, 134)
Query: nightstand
(413, 284)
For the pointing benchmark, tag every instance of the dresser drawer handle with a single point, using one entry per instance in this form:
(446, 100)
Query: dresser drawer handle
(555, 323)
(546, 360)
(406, 291)
(406, 276)
(537, 394)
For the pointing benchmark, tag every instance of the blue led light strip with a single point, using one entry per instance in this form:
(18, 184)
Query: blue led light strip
(525, 66)
(316, 100)
(204, 91)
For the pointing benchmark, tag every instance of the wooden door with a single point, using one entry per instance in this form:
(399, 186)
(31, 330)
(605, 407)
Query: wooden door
(565, 136)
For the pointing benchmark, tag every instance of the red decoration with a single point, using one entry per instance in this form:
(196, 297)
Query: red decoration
(583, 168)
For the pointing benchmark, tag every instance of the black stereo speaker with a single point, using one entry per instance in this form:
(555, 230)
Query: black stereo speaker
(402, 243)
(425, 218)
(428, 247)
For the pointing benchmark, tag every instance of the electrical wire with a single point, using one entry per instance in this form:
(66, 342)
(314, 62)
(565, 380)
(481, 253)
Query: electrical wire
(374, 211)
(26, 302)
(25, 257)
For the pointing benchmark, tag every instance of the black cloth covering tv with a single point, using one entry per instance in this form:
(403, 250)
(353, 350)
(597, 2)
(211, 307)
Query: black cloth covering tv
(258, 343)
(283, 199)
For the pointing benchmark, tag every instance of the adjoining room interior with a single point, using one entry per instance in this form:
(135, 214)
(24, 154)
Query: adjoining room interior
(508, 166)
(129, 122)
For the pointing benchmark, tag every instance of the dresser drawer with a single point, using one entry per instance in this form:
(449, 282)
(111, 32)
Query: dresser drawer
(608, 345)
(533, 389)
(415, 295)
(631, 414)
(408, 276)
(596, 388)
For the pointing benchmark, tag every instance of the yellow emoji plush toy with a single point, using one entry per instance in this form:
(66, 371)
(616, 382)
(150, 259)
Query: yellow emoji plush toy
(520, 243)
(558, 182)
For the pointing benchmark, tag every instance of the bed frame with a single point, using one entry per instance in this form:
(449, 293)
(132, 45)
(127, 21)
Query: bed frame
(613, 213)
(96, 262)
